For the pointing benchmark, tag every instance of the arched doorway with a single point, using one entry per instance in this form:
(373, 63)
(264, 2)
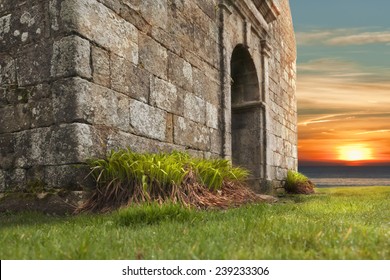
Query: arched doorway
(247, 115)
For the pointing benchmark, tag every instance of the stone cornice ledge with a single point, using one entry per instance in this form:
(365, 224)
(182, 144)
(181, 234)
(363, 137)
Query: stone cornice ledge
(268, 8)
(260, 12)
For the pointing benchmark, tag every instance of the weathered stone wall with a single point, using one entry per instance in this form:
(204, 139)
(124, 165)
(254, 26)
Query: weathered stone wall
(81, 77)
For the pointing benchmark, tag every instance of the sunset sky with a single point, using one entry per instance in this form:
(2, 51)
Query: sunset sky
(343, 83)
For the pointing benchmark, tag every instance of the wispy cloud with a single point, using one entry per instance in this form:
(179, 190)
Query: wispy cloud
(360, 39)
(312, 37)
(342, 37)
(322, 119)
(328, 65)
(373, 132)
(343, 70)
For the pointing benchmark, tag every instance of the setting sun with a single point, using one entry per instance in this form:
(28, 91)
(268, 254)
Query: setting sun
(355, 152)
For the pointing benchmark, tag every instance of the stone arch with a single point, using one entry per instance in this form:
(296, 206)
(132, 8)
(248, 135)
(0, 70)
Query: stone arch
(246, 115)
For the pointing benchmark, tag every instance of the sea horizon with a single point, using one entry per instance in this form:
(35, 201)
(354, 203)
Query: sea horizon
(342, 175)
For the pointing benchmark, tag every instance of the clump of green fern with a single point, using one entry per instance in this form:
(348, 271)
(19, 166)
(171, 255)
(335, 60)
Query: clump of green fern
(126, 177)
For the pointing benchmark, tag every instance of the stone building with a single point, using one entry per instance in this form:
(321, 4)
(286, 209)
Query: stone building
(81, 77)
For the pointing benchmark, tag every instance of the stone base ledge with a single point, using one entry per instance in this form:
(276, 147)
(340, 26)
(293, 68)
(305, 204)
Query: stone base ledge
(53, 203)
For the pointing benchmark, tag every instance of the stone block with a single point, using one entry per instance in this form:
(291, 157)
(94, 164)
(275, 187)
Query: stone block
(294, 153)
(35, 177)
(71, 56)
(216, 141)
(7, 150)
(205, 47)
(37, 152)
(101, 66)
(138, 143)
(191, 134)
(116, 5)
(129, 79)
(25, 23)
(199, 18)
(33, 64)
(101, 25)
(148, 121)
(69, 177)
(118, 114)
(15, 118)
(15, 179)
(281, 173)
(71, 144)
(33, 148)
(277, 159)
(79, 100)
(8, 6)
(130, 11)
(166, 39)
(68, 97)
(7, 120)
(13, 95)
(180, 72)
(183, 6)
(195, 153)
(123, 113)
(212, 119)
(21, 141)
(45, 146)
(182, 29)
(153, 57)
(170, 128)
(7, 70)
(287, 147)
(165, 95)
(155, 12)
(208, 7)
(41, 113)
(194, 108)
(108, 107)
(291, 163)
(205, 87)
(36, 93)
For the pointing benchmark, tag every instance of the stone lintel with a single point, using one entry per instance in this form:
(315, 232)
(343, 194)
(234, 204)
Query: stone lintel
(268, 8)
(248, 10)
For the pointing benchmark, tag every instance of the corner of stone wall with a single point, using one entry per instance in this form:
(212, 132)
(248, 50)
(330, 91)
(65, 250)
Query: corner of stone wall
(36, 149)
(282, 126)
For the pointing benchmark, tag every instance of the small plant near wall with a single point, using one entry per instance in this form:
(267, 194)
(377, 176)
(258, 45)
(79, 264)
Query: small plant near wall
(297, 183)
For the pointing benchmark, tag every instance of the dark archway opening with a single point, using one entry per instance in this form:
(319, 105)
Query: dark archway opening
(246, 114)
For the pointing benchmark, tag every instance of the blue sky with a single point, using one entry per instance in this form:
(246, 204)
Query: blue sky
(343, 83)
(360, 25)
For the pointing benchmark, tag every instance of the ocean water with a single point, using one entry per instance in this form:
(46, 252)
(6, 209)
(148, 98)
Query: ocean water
(328, 176)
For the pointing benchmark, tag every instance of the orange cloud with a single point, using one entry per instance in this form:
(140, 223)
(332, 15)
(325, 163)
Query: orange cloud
(342, 110)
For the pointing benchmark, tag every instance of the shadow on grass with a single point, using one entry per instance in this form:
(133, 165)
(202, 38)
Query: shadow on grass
(301, 198)
(12, 219)
(31, 218)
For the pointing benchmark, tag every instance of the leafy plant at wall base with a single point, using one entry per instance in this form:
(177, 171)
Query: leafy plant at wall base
(126, 177)
(297, 183)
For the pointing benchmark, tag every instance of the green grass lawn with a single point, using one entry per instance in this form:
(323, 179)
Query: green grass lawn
(336, 223)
